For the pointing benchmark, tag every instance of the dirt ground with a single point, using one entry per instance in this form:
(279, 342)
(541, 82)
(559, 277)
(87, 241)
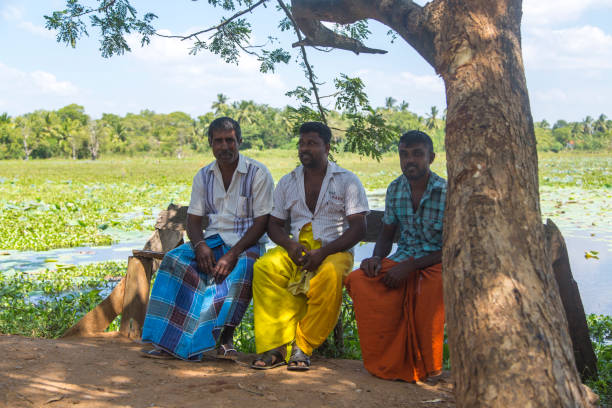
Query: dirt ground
(109, 372)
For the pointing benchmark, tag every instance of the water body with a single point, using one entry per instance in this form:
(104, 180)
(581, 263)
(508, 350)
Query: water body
(594, 276)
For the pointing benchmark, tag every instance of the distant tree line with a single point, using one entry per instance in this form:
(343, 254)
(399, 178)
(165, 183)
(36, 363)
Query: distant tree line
(588, 134)
(70, 133)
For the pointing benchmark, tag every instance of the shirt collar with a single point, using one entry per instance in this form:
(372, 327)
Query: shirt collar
(435, 182)
(332, 168)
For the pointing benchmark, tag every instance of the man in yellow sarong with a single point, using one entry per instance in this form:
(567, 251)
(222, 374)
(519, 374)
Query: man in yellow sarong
(297, 286)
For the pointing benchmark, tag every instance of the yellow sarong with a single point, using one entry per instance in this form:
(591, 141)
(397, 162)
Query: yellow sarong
(281, 316)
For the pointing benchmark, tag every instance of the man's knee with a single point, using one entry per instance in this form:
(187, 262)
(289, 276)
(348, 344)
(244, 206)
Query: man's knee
(355, 282)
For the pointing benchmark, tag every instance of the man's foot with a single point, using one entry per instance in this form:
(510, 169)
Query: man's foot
(270, 359)
(227, 352)
(299, 360)
(156, 353)
(435, 377)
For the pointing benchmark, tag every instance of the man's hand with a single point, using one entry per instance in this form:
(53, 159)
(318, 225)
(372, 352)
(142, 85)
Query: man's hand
(371, 266)
(314, 259)
(398, 274)
(224, 266)
(205, 258)
(297, 253)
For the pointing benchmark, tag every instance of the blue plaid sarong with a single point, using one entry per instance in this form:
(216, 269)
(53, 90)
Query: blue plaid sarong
(188, 310)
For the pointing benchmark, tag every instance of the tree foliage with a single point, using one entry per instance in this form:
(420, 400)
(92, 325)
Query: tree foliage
(230, 38)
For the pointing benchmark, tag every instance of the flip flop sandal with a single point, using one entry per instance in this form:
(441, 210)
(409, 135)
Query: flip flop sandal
(298, 356)
(226, 353)
(157, 353)
(271, 359)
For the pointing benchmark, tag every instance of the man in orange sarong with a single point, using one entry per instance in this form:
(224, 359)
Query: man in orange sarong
(398, 300)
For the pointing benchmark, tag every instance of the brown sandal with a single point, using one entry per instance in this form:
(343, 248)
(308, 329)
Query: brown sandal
(271, 359)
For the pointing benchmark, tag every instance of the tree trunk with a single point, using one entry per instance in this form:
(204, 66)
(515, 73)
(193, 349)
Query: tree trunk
(508, 335)
(507, 332)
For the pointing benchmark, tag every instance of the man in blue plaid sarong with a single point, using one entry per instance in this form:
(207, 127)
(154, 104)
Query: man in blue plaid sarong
(203, 287)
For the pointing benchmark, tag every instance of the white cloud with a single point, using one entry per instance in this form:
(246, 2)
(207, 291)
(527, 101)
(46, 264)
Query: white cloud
(551, 95)
(15, 14)
(543, 12)
(430, 83)
(35, 29)
(11, 13)
(584, 47)
(33, 84)
(205, 72)
(420, 91)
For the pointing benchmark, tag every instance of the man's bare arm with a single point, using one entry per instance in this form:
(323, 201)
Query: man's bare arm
(277, 233)
(227, 262)
(204, 255)
(372, 266)
(400, 272)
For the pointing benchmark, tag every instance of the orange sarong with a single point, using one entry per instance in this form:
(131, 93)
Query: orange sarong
(401, 330)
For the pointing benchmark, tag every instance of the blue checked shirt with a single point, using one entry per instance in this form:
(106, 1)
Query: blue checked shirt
(420, 232)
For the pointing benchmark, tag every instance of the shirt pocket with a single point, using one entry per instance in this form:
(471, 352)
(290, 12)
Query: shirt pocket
(336, 206)
(244, 207)
(432, 231)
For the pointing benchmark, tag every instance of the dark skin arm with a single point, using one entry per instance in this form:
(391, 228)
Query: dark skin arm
(276, 232)
(400, 272)
(311, 260)
(371, 266)
(204, 255)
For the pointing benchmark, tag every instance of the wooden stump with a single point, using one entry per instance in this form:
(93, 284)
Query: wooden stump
(136, 296)
(586, 362)
(98, 320)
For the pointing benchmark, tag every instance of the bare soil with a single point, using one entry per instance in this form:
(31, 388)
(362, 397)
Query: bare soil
(110, 372)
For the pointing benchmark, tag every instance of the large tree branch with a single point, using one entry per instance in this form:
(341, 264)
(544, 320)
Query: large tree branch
(319, 35)
(413, 23)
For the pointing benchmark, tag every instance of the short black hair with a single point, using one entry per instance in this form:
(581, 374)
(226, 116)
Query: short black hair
(320, 128)
(413, 137)
(224, 123)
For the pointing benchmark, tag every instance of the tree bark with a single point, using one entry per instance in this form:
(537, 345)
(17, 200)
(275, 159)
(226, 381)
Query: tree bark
(508, 336)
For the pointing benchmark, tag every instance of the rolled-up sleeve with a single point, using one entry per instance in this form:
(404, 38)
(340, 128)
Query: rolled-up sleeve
(280, 211)
(263, 188)
(356, 200)
(390, 218)
(198, 196)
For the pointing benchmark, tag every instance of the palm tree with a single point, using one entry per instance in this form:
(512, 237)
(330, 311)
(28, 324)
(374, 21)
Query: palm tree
(431, 120)
(587, 125)
(601, 124)
(220, 104)
(403, 107)
(390, 102)
(244, 111)
(5, 118)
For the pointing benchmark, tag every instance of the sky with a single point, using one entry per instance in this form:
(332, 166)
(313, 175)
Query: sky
(567, 49)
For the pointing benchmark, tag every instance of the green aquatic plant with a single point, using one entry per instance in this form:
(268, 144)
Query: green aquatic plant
(600, 330)
(46, 304)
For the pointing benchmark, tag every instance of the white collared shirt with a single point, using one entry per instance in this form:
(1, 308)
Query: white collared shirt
(341, 195)
(231, 212)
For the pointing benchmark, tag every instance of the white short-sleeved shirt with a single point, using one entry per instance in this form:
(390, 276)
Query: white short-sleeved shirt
(341, 195)
(231, 213)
